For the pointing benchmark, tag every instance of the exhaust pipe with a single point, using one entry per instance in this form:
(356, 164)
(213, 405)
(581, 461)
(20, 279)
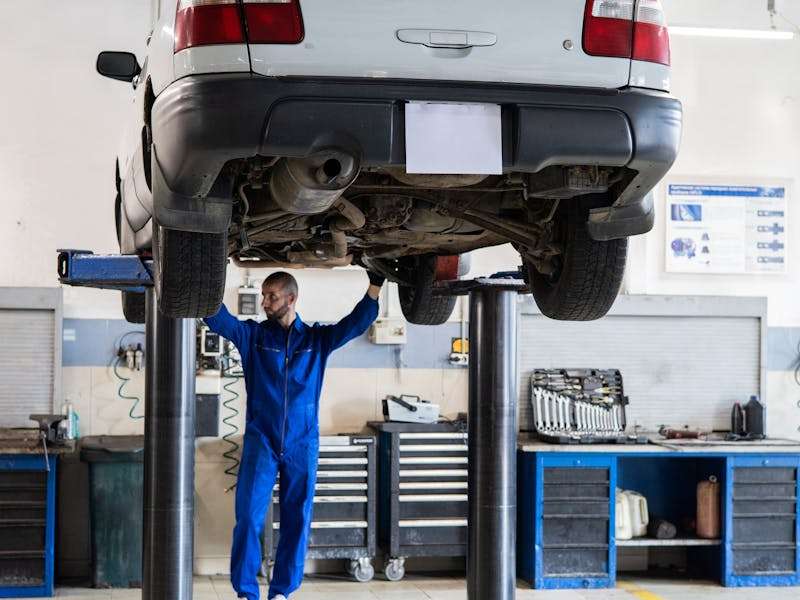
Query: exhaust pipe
(351, 219)
(311, 185)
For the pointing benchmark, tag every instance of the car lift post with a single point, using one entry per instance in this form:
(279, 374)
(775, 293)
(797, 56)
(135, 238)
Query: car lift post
(168, 540)
(492, 441)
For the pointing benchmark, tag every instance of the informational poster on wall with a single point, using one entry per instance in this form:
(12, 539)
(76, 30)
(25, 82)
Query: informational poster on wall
(729, 228)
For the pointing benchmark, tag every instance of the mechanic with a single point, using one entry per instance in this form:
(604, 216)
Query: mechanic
(284, 361)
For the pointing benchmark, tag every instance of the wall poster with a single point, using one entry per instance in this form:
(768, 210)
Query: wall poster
(726, 228)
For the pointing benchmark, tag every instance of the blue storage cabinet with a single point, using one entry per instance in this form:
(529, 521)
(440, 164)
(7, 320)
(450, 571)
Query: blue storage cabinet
(566, 520)
(27, 525)
(762, 521)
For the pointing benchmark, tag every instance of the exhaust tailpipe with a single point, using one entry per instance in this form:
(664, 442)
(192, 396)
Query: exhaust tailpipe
(311, 185)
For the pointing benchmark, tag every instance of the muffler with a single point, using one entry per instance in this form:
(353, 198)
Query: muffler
(311, 185)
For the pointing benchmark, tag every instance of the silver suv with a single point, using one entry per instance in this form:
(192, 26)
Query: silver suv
(396, 136)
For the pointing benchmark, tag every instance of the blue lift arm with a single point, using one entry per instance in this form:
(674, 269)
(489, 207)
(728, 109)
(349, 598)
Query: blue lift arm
(83, 268)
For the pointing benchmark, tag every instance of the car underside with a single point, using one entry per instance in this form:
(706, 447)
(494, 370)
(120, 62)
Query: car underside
(379, 217)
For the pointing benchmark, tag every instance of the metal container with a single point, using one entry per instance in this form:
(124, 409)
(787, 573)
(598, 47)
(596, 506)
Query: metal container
(708, 519)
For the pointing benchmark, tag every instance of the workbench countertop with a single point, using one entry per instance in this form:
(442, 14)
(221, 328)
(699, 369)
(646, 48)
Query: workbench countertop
(28, 441)
(659, 445)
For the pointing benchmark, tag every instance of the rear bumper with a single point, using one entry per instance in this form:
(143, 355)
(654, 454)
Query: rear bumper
(202, 122)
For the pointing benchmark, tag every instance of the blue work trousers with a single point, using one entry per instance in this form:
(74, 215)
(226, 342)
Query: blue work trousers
(298, 474)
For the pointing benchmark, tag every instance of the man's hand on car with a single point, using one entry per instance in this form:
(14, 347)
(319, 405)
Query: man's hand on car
(375, 282)
(375, 278)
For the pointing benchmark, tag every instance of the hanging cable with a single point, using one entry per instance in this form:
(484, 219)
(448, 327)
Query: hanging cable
(122, 381)
(232, 453)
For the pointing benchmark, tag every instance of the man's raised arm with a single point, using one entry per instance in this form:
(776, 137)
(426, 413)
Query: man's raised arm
(228, 326)
(360, 318)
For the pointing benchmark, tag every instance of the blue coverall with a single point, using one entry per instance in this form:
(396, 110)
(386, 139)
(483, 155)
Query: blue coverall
(283, 370)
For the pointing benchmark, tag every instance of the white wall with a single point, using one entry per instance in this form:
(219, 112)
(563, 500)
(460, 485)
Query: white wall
(741, 103)
(61, 126)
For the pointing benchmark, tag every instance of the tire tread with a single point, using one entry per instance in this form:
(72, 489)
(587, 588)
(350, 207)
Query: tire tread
(190, 272)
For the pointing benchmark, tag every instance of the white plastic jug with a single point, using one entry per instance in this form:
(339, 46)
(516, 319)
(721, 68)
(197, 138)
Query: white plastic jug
(623, 526)
(639, 515)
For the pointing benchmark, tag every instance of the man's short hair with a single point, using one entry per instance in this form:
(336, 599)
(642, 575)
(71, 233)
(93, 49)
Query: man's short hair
(287, 282)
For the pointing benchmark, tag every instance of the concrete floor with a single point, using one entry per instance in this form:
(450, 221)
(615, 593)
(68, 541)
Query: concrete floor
(452, 588)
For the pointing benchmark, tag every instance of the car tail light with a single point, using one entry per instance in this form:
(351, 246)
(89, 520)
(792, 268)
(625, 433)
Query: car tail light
(626, 29)
(207, 22)
(608, 28)
(274, 21)
(650, 36)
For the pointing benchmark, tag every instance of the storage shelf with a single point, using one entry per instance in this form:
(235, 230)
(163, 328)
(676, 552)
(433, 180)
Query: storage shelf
(648, 542)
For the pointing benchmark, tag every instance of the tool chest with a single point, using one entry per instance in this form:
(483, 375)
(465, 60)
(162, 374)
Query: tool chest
(27, 525)
(343, 524)
(422, 492)
(763, 524)
(580, 406)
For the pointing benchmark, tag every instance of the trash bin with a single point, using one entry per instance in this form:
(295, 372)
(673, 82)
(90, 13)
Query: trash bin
(116, 481)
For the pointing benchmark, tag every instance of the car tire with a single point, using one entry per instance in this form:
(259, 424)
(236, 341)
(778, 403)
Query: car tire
(420, 306)
(133, 307)
(589, 274)
(188, 271)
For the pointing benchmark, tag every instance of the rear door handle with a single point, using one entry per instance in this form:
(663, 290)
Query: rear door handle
(444, 38)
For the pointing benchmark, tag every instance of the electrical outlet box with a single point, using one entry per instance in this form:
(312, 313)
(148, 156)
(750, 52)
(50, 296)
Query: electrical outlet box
(208, 382)
(388, 331)
(248, 304)
(460, 359)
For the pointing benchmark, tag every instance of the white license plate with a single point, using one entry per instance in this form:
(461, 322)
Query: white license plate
(453, 138)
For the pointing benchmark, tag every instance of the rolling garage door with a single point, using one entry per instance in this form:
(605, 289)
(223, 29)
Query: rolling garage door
(30, 353)
(684, 360)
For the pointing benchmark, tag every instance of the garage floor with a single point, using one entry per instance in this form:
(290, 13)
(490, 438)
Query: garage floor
(451, 588)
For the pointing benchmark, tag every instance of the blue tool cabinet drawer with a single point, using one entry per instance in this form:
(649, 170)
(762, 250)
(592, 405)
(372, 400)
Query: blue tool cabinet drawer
(762, 521)
(565, 520)
(27, 525)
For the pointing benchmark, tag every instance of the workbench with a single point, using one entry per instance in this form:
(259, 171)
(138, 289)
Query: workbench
(27, 513)
(566, 507)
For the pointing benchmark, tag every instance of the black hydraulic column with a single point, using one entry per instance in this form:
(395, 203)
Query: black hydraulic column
(491, 555)
(169, 456)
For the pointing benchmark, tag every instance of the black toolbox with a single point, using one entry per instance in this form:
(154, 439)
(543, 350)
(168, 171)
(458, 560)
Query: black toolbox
(343, 525)
(422, 497)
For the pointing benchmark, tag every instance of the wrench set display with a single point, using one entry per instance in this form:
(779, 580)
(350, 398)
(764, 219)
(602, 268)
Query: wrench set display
(580, 406)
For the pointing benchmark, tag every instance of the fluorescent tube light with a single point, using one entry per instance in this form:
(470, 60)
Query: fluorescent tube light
(748, 34)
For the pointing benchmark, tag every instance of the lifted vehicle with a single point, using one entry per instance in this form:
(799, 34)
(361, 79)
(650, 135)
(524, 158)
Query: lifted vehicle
(274, 133)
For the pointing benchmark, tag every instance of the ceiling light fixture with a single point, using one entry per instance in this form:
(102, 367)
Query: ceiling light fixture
(745, 34)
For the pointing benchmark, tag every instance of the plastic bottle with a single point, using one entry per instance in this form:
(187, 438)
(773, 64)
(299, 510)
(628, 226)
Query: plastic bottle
(755, 417)
(138, 357)
(708, 520)
(74, 423)
(69, 427)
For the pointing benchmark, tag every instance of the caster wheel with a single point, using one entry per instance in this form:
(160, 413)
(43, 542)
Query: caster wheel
(394, 570)
(350, 566)
(363, 572)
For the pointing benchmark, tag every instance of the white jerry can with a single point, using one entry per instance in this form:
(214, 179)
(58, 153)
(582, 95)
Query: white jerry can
(631, 516)
(640, 517)
(623, 527)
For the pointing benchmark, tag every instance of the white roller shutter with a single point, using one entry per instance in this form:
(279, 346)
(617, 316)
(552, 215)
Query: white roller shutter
(30, 353)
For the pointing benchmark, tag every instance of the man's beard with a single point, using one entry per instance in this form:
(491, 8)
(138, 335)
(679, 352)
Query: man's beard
(278, 314)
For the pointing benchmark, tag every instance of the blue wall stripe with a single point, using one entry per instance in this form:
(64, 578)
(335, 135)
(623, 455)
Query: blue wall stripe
(783, 348)
(92, 342)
